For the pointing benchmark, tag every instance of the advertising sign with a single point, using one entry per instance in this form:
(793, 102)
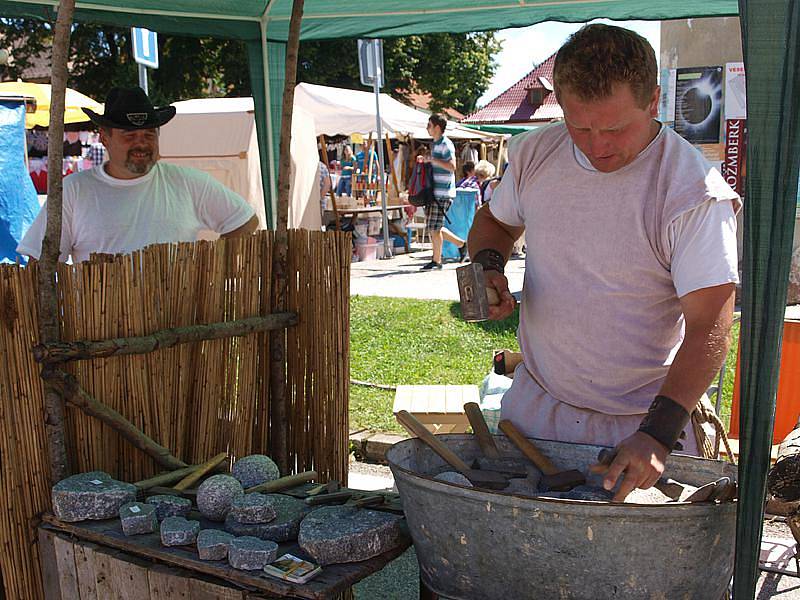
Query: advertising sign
(698, 104)
(735, 97)
(735, 147)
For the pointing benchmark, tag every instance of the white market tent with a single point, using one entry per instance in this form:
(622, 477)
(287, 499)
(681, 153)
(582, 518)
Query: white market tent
(218, 136)
(343, 112)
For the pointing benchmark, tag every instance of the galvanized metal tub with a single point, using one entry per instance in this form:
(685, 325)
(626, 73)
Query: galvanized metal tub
(484, 545)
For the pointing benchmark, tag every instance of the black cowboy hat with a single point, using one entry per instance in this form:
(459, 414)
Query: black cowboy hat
(130, 108)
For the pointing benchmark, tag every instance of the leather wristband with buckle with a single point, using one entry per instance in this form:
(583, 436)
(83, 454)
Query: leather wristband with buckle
(665, 421)
(490, 259)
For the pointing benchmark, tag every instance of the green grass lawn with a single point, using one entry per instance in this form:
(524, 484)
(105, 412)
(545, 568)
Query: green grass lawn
(396, 341)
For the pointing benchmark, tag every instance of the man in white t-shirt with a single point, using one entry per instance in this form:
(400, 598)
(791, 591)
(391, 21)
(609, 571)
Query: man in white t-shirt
(133, 200)
(630, 266)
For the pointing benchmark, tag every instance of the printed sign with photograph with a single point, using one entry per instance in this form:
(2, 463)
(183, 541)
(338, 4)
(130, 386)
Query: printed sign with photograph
(698, 104)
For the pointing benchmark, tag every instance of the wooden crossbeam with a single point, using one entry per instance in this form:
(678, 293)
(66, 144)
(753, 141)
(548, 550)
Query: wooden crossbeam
(56, 352)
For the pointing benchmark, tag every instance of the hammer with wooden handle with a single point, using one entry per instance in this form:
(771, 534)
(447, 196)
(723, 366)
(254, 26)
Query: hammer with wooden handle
(553, 480)
(475, 297)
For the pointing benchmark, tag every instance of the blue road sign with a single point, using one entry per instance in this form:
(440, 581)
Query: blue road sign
(145, 47)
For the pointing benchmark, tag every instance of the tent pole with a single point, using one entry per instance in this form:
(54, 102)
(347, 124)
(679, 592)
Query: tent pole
(270, 145)
(49, 330)
(331, 192)
(279, 413)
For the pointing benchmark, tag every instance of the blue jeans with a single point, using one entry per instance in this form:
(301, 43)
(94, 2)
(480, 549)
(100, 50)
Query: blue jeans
(344, 186)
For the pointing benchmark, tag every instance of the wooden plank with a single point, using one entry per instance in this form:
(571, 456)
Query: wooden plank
(103, 576)
(402, 399)
(419, 400)
(200, 589)
(167, 583)
(84, 567)
(129, 577)
(49, 566)
(333, 580)
(437, 399)
(65, 560)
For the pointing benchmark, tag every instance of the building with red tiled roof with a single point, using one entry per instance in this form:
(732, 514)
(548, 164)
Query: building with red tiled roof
(422, 101)
(529, 101)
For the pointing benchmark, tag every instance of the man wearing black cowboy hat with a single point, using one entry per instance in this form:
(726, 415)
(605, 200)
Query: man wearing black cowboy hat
(133, 200)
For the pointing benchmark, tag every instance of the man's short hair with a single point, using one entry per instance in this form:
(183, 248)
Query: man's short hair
(439, 121)
(598, 56)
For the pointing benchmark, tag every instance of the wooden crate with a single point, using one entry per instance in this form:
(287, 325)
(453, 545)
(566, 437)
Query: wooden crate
(439, 407)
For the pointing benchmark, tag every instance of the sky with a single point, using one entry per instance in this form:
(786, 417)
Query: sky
(526, 47)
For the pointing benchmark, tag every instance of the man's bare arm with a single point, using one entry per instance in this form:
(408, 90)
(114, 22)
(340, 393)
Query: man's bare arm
(489, 233)
(708, 314)
(244, 230)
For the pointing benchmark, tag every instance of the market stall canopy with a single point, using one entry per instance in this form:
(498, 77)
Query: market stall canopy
(41, 93)
(218, 136)
(323, 19)
(339, 111)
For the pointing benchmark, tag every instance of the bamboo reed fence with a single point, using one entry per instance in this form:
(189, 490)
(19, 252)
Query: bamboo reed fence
(196, 399)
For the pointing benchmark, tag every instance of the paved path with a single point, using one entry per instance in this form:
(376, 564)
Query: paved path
(400, 277)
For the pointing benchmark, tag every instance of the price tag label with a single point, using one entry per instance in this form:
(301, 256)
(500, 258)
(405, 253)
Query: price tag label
(135, 509)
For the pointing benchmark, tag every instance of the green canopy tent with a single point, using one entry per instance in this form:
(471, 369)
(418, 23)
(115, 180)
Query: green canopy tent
(771, 38)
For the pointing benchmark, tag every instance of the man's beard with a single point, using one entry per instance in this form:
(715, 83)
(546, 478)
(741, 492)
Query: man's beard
(140, 167)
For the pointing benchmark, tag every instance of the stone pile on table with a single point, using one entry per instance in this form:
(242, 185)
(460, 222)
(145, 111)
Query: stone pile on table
(254, 523)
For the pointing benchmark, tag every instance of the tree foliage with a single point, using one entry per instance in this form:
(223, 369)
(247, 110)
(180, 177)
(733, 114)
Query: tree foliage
(455, 69)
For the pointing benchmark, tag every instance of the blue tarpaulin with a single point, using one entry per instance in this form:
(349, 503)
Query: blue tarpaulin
(18, 202)
(459, 218)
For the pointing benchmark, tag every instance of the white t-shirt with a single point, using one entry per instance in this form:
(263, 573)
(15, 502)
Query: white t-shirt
(608, 257)
(117, 216)
(705, 231)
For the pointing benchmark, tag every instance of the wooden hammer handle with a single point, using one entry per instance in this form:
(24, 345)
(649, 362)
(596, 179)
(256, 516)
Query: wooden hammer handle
(284, 483)
(481, 430)
(527, 448)
(408, 421)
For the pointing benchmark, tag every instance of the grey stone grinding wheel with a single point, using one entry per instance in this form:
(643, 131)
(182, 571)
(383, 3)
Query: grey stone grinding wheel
(215, 494)
(250, 553)
(90, 496)
(255, 469)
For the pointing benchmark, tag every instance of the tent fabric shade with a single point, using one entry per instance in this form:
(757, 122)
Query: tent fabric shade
(41, 93)
(323, 19)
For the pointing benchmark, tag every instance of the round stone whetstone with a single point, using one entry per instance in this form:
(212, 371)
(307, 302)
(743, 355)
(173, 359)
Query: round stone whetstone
(342, 534)
(252, 508)
(138, 518)
(212, 544)
(255, 469)
(215, 494)
(251, 553)
(170, 506)
(90, 496)
(177, 531)
(284, 527)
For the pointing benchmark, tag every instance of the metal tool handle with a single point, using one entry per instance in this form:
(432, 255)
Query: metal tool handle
(408, 421)
(527, 448)
(481, 430)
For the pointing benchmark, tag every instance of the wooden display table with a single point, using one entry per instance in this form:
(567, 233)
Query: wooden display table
(89, 567)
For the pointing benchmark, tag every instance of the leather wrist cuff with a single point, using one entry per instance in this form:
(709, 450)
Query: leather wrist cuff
(664, 421)
(490, 259)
